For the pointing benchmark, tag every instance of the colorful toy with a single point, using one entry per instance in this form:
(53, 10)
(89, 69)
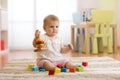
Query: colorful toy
(35, 68)
(63, 69)
(38, 42)
(51, 72)
(57, 70)
(72, 70)
(42, 69)
(59, 66)
(85, 64)
(80, 69)
(30, 67)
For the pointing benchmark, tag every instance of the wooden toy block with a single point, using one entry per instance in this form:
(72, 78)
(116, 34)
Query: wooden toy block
(59, 66)
(72, 70)
(42, 69)
(80, 69)
(57, 70)
(85, 64)
(63, 69)
(35, 68)
(30, 67)
(51, 72)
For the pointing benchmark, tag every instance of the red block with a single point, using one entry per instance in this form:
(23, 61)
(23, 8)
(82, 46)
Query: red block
(51, 72)
(72, 70)
(2, 45)
(59, 66)
(85, 63)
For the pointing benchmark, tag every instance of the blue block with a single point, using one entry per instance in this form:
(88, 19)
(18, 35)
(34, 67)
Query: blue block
(63, 69)
(35, 68)
(42, 70)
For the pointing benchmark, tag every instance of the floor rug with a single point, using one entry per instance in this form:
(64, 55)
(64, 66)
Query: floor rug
(99, 68)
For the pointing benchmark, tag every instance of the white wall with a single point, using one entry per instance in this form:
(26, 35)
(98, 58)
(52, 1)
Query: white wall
(118, 21)
(26, 15)
(87, 4)
(21, 26)
(25, 18)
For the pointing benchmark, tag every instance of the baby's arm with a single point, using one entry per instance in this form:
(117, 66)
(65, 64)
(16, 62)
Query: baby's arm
(66, 48)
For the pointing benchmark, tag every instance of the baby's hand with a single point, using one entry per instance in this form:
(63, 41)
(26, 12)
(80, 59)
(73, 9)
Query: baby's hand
(44, 48)
(37, 34)
(66, 48)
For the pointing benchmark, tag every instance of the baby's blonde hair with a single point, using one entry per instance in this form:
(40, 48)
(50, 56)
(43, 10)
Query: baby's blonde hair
(48, 19)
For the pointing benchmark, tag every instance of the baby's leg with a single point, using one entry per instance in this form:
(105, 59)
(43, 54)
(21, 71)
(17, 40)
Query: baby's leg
(49, 66)
(70, 65)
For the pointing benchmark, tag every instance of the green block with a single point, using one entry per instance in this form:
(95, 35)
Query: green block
(80, 69)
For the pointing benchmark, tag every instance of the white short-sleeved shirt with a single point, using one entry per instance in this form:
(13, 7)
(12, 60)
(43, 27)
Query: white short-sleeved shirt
(53, 49)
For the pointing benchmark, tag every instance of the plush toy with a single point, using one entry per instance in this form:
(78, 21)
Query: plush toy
(38, 42)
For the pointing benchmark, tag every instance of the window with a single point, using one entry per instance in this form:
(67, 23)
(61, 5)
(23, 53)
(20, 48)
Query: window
(26, 15)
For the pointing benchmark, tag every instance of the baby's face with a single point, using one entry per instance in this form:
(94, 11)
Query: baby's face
(52, 28)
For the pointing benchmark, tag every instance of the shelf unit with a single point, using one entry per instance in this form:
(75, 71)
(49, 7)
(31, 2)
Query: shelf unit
(3, 33)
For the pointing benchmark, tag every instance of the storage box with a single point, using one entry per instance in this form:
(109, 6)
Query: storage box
(2, 45)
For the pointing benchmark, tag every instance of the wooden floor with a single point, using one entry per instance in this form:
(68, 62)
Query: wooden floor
(31, 54)
(113, 55)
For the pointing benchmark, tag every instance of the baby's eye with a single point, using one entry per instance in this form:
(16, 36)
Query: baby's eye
(57, 26)
(51, 26)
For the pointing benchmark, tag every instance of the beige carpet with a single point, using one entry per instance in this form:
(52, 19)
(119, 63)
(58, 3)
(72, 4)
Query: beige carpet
(100, 68)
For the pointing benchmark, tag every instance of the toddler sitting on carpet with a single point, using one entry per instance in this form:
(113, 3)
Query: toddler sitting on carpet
(50, 57)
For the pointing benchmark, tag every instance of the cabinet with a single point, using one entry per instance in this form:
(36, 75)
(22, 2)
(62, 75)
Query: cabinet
(3, 32)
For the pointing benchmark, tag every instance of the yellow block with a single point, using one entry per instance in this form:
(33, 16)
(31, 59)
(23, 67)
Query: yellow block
(57, 70)
(30, 66)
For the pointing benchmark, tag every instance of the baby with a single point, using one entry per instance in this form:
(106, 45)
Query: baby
(51, 56)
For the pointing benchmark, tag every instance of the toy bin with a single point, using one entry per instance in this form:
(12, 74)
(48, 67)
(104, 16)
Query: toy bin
(2, 45)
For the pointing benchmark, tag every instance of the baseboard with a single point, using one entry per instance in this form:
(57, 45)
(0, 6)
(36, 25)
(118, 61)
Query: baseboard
(19, 50)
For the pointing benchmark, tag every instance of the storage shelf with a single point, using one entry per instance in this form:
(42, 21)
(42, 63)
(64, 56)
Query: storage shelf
(3, 33)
